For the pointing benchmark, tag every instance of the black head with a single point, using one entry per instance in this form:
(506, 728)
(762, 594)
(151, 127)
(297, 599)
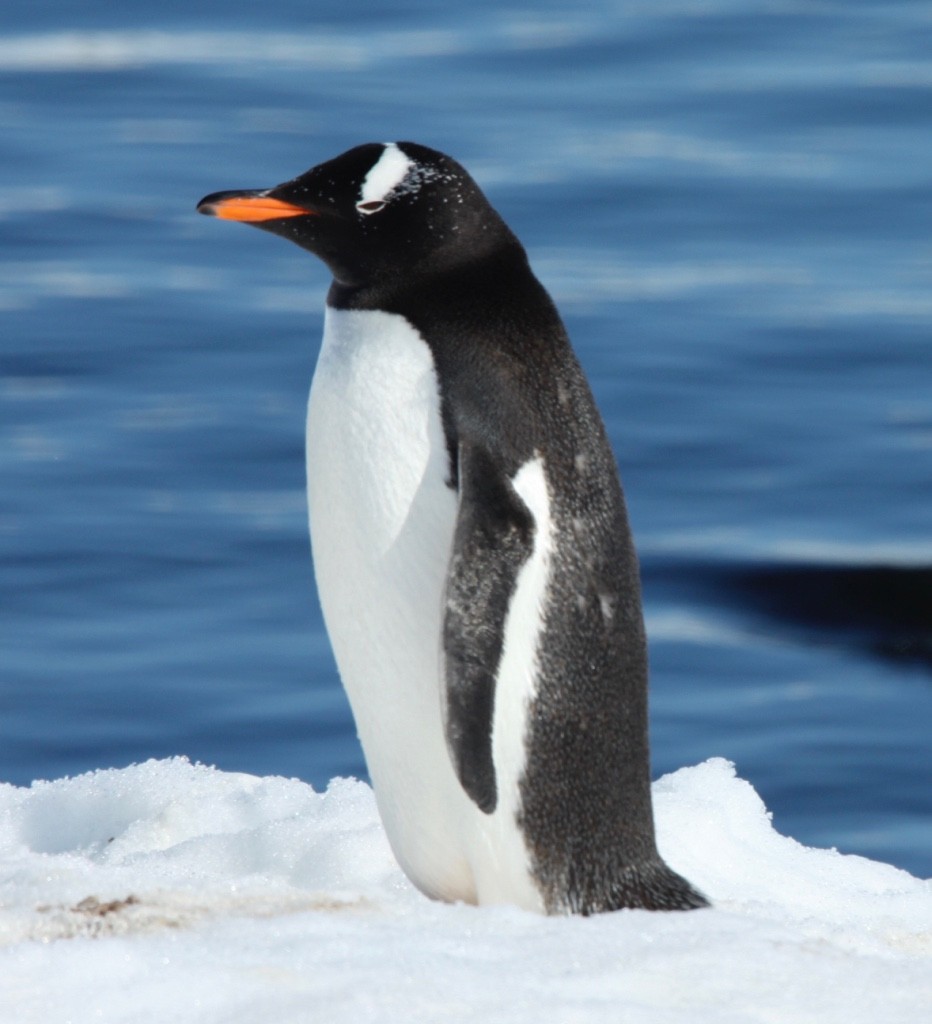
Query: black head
(377, 211)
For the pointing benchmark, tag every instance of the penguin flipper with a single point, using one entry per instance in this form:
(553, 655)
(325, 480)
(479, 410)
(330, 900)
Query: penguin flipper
(493, 539)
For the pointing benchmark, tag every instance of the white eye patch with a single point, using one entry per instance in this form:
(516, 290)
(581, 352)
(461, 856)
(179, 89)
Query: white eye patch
(385, 175)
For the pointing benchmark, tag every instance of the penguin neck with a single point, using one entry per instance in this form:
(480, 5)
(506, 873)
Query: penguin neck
(478, 265)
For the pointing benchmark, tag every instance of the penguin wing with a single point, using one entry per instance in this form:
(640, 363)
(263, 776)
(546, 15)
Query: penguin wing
(493, 539)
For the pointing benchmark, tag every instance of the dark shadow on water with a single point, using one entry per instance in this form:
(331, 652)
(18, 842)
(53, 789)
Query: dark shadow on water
(883, 610)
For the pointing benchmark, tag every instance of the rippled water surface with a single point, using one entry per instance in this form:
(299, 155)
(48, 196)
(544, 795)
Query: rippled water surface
(730, 203)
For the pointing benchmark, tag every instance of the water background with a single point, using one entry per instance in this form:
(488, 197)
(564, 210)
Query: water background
(730, 202)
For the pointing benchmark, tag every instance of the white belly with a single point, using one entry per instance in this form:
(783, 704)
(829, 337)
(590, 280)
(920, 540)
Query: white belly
(382, 521)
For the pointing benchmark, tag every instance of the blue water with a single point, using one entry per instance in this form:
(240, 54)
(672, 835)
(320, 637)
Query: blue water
(730, 203)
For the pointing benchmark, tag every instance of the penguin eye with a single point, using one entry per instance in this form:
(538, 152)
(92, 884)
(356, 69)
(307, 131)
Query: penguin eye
(371, 206)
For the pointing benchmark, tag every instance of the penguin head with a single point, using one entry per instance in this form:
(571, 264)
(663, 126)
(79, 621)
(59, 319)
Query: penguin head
(375, 212)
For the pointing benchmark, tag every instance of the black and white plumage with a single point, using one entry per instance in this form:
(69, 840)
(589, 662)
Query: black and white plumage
(471, 545)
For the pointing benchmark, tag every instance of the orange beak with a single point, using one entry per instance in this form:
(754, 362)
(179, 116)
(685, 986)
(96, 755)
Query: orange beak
(249, 207)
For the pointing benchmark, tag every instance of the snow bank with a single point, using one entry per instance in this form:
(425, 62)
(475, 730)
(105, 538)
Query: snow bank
(174, 892)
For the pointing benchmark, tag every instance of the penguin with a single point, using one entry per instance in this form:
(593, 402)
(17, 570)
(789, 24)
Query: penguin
(471, 545)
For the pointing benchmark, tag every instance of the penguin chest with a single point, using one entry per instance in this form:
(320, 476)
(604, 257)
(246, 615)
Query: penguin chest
(382, 520)
(376, 453)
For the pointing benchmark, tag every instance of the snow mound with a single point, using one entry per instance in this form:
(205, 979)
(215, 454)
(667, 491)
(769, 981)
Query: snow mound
(172, 891)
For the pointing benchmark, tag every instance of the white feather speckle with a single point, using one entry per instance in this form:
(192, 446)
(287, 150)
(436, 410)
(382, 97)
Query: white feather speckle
(385, 175)
(395, 174)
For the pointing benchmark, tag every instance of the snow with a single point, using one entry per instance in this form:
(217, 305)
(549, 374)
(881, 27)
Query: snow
(168, 891)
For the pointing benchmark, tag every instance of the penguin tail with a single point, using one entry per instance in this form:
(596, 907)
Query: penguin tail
(648, 885)
(654, 886)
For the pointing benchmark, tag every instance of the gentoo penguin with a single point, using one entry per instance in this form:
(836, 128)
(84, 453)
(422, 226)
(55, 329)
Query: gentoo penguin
(475, 565)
